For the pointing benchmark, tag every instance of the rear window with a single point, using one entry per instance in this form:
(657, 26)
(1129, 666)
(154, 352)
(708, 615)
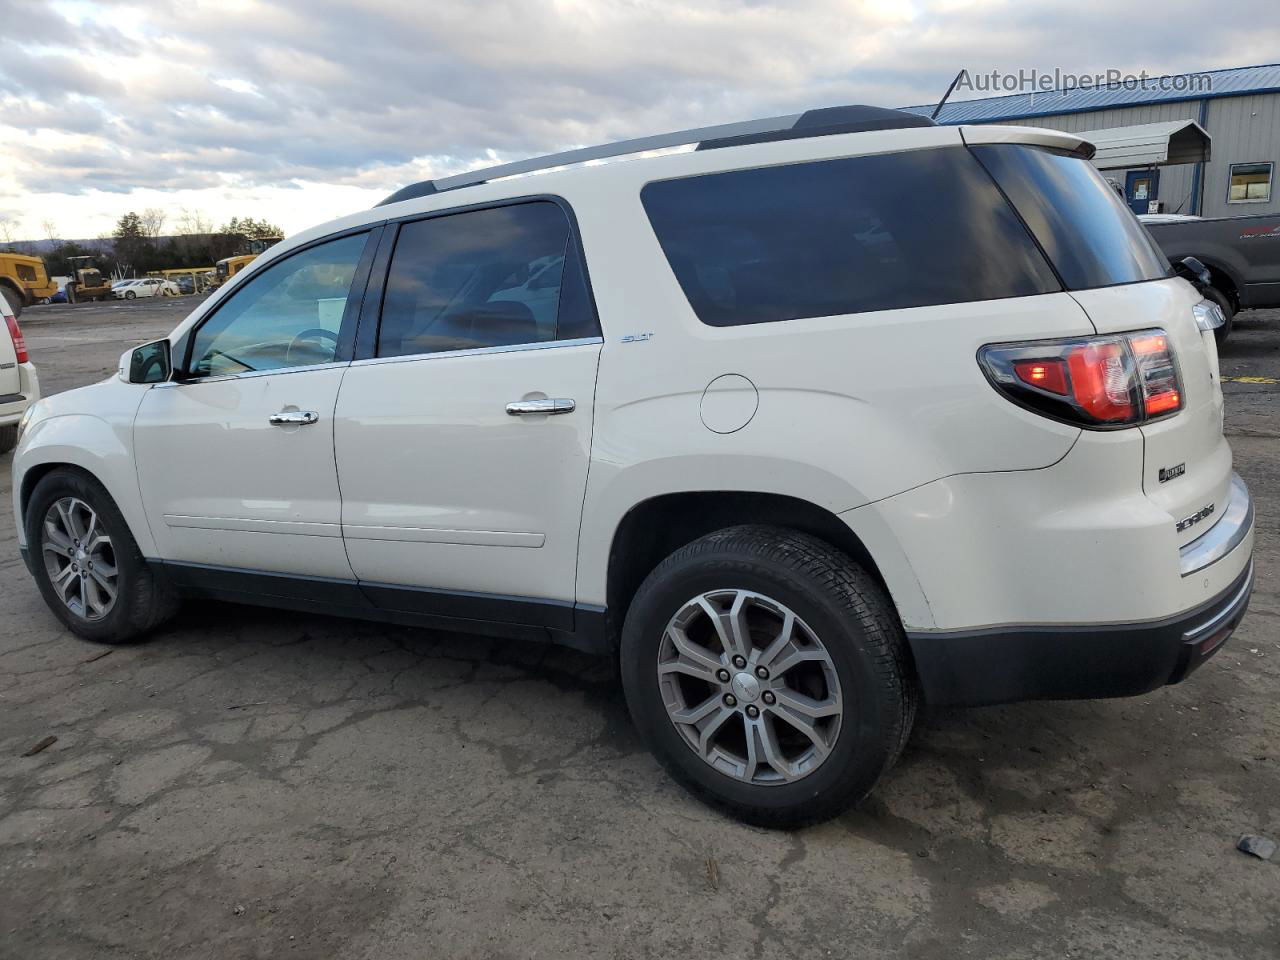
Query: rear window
(843, 236)
(1089, 234)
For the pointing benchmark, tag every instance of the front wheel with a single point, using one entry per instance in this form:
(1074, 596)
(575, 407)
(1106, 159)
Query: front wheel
(87, 564)
(768, 673)
(130, 295)
(1228, 312)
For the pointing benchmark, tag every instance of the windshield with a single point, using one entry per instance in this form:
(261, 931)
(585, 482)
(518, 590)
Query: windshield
(1090, 236)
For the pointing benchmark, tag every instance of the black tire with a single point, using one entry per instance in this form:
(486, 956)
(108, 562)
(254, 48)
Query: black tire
(143, 600)
(130, 295)
(8, 437)
(843, 605)
(1224, 304)
(14, 299)
(71, 290)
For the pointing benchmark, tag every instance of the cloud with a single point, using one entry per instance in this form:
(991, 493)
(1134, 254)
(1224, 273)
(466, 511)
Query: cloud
(184, 96)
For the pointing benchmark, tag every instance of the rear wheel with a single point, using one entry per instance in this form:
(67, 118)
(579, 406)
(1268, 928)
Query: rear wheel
(1224, 304)
(768, 674)
(87, 564)
(8, 437)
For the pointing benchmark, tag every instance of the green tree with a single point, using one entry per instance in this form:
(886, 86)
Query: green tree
(252, 229)
(133, 249)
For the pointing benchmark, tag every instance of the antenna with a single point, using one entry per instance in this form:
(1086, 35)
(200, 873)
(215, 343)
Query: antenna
(938, 109)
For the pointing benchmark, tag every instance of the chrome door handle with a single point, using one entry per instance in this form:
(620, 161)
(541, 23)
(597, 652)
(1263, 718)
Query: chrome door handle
(547, 407)
(293, 418)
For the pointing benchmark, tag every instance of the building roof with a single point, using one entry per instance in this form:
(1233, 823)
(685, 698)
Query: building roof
(1237, 81)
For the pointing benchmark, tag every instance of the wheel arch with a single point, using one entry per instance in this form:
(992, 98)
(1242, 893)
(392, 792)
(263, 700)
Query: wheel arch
(1225, 280)
(654, 528)
(96, 453)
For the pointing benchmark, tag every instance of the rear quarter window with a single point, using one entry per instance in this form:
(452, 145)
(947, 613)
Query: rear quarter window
(843, 236)
(1089, 234)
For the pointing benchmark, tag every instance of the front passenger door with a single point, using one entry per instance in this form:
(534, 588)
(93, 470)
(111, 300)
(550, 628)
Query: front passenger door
(235, 456)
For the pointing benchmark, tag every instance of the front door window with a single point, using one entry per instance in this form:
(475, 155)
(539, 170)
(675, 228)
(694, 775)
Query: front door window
(289, 315)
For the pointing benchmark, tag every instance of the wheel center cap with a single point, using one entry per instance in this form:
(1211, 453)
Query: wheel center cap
(80, 555)
(745, 687)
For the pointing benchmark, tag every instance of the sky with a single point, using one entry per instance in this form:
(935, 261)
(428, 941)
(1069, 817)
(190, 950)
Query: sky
(299, 111)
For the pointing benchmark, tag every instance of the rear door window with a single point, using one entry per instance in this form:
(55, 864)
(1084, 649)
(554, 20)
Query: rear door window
(496, 277)
(1088, 232)
(843, 236)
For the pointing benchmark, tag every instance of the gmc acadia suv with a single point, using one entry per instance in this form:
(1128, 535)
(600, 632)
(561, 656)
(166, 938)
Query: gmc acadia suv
(833, 414)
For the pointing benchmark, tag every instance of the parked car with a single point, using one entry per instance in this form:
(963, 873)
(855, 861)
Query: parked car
(802, 444)
(1242, 255)
(19, 385)
(145, 287)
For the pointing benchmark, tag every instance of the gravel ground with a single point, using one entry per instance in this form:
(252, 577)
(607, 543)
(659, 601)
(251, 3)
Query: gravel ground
(253, 783)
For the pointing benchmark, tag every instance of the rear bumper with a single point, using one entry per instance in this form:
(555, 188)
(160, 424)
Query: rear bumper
(12, 407)
(1006, 664)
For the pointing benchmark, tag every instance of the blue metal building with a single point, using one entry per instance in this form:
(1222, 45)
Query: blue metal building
(1239, 107)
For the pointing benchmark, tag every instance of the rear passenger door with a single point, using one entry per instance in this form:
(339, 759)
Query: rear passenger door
(463, 429)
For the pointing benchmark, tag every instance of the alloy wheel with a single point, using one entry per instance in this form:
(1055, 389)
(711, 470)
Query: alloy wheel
(79, 558)
(750, 687)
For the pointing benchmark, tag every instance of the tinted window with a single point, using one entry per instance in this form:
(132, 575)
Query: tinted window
(289, 315)
(485, 278)
(843, 236)
(1089, 233)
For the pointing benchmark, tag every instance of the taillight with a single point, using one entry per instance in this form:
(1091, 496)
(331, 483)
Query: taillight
(19, 344)
(1099, 382)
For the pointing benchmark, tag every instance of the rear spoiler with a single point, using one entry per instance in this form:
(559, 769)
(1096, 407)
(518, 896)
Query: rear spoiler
(1032, 136)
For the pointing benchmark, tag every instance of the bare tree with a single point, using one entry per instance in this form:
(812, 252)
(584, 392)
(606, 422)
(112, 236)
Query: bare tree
(193, 223)
(6, 230)
(51, 231)
(152, 220)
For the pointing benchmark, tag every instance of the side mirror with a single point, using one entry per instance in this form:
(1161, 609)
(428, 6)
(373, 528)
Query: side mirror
(149, 363)
(1189, 268)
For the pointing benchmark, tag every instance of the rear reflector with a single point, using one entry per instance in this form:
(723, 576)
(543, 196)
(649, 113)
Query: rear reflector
(1097, 382)
(15, 334)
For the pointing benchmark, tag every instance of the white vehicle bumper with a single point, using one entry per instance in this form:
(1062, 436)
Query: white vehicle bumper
(1064, 582)
(14, 405)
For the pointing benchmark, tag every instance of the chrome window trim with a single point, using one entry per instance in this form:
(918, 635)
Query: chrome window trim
(480, 351)
(1224, 536)
(274, 371)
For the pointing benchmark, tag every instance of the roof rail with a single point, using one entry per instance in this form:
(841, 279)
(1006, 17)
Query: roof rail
(812, 123)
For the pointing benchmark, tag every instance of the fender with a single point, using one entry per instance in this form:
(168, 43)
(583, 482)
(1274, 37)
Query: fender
(101, 447)
(613, 491)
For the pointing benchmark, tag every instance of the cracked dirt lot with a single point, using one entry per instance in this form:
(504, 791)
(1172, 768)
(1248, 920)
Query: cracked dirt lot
(252, 783)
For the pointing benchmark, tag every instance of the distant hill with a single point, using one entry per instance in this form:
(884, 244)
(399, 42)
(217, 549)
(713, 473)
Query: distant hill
(42, 248)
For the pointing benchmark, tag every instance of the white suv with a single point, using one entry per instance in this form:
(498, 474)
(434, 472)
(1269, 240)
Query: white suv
(833, 414)
(19, 386)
